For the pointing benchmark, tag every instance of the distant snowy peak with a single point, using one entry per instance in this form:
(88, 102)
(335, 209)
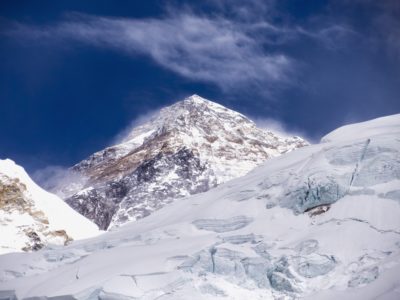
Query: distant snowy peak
(31, 218)
(186, 148)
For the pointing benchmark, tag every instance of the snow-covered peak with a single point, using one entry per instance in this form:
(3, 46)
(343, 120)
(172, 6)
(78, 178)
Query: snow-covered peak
(30, 217)
(203, 125)
(186, 148)
(204, 106)
(196, 99)
(193, 111)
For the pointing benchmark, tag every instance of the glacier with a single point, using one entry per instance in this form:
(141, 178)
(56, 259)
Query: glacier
(321, 222)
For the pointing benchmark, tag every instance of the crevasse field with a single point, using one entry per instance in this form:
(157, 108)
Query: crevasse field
(322, 222)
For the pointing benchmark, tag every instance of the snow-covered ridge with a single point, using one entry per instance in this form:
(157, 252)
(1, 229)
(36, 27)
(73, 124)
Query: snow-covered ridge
(367, 129)
(31, 218)
(321, 222)
(186, 148)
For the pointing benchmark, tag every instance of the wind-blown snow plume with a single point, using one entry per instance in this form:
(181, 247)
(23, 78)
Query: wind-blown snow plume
(278, 127)
(59, 179)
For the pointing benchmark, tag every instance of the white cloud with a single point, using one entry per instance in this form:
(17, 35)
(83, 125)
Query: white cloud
(200, 48)
(230, 47)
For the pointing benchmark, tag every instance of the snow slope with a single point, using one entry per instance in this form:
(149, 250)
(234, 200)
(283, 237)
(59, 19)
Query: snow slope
(31, 217)
(322, 222)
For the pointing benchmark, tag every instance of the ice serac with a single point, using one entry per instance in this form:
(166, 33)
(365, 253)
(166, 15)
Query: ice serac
(184, 149)
(321, 222)
(31, 218)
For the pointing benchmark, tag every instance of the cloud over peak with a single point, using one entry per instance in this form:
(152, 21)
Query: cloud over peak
(200, 48)
(241, 48)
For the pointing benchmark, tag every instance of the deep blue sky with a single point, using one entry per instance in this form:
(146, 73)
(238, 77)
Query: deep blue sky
(73, 74)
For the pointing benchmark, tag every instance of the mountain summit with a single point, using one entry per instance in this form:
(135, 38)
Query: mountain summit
(186, 148)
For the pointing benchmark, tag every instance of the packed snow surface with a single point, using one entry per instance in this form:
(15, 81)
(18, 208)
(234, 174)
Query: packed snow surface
(322, 222)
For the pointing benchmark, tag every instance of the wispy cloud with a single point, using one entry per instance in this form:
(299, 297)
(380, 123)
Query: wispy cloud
(333, 37)
(198, 48)
(229, 48)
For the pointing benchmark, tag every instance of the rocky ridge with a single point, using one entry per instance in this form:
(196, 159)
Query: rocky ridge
(30, 217)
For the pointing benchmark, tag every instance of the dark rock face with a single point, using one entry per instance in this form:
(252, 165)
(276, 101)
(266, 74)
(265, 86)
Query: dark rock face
(95, 205)
(153, 184)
